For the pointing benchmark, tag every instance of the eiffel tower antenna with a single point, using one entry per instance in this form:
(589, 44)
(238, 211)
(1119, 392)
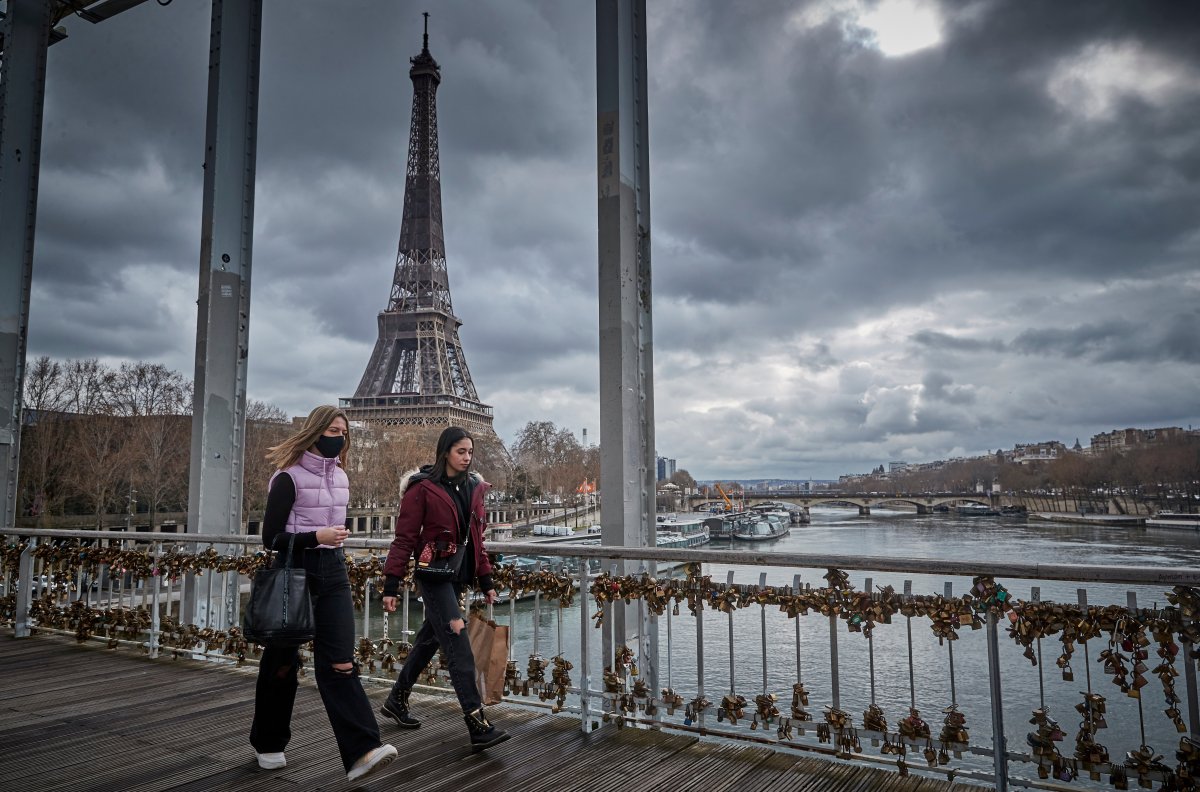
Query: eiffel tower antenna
(417, 374)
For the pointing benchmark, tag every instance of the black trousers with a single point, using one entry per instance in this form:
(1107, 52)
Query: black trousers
(346, 702)
(441, 607)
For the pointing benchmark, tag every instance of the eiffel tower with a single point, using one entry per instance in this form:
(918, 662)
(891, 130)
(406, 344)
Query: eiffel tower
(418, 375)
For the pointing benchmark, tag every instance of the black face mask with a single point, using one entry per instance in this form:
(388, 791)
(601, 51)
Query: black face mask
(329, 447)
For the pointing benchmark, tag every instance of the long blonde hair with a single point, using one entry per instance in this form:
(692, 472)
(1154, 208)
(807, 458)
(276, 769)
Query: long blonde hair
(288, 453)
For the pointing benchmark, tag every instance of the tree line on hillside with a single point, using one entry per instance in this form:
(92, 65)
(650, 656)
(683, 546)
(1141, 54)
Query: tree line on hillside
(99, 439)
(1167, 472)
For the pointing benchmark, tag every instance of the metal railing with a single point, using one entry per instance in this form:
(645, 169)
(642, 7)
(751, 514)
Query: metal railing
(127, 589)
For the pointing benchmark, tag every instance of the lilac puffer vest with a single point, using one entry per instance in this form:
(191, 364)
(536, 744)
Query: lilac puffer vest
(322, 492)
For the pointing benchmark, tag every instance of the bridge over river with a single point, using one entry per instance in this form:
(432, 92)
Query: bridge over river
(927, 502)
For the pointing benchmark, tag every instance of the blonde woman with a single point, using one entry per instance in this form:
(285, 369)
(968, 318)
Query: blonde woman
(307, 498)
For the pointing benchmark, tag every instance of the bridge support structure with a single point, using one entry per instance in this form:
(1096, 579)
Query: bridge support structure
(864, 511)
(223, 307)
(626, 330)
(26, 31)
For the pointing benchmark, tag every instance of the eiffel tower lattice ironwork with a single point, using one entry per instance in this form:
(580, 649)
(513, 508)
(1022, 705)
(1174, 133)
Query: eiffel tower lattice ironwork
(417, 374)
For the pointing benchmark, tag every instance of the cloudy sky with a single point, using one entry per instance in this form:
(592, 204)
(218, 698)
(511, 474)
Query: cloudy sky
(882, 230)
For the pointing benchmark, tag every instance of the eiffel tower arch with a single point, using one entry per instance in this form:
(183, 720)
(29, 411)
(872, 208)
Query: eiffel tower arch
(417, 375)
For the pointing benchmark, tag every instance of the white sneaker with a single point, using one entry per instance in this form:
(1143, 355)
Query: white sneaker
(271, 761)
(370, 761)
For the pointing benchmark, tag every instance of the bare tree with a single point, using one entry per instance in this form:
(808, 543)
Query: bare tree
(42, 440)
(266, 425)
(553, 458)
(96, 467)
(155, 402)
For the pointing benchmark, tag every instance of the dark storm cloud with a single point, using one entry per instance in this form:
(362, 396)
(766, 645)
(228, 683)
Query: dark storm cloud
(1161, 339)
(940, 387)
(857, 257)
(936, 340)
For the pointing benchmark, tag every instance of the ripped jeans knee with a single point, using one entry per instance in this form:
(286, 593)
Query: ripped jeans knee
(347, 669)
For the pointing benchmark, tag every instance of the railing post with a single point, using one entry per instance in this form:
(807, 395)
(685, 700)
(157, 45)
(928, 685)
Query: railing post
(732, 660)
(367, 609)
(584, 619)
(156, 578)
(762, 613)
(1189, 678)
(700, 659)
(834, 683)
(999, 744)
(24, 590)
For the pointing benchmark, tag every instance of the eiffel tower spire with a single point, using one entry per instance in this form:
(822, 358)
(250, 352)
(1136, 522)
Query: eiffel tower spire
(418, 373)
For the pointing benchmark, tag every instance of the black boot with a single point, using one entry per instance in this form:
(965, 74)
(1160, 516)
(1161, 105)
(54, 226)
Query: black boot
(396, 708)
(483, 733)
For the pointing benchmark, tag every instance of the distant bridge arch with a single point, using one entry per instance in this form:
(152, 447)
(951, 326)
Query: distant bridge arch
(924, 504)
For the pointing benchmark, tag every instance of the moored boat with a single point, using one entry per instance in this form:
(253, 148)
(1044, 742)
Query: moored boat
(1171, 519)
(790, 511)
(760, 527)
(975, 510)
(692, 528)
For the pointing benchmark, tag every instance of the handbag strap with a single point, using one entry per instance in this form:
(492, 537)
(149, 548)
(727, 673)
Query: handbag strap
(287, 558)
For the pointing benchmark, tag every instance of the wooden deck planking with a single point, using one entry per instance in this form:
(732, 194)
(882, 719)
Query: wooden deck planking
(82, 717)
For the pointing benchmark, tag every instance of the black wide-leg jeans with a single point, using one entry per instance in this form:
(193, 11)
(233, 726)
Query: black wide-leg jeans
(441, 602)
(346, 702)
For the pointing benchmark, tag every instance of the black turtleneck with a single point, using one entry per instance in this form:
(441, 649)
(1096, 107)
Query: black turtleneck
(459, 488)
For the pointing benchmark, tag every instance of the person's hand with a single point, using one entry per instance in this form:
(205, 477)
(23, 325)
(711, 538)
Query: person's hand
(334, 535)
(491, 596)
(389, 604)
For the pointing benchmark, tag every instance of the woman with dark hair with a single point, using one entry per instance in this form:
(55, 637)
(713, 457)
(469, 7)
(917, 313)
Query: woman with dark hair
(442, 515)
(306, 504)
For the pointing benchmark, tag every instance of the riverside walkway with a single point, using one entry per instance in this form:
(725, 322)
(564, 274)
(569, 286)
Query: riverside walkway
(82, 717)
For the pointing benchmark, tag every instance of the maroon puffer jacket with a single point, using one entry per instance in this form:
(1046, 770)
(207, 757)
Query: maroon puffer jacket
(427, 510)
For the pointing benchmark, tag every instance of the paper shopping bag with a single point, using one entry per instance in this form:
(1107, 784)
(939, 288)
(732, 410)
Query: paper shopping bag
(489, 645)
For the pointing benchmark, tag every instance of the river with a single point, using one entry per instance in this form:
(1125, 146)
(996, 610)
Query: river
(940, 537)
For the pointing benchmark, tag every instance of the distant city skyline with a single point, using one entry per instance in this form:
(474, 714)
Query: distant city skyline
(903, 229)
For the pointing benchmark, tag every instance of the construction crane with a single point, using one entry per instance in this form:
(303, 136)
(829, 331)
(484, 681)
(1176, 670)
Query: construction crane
(728, 500)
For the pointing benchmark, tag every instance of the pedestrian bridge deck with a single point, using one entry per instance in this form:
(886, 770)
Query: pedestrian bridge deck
(86, 718)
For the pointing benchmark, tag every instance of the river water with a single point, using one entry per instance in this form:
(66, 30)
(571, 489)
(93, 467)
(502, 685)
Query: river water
(884, 533)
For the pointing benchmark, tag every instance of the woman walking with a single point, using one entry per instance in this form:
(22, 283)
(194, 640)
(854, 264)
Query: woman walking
(307, 497)
(442, 516)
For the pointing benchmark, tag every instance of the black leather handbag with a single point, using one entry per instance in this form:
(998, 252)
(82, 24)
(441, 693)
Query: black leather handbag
(280, 609)
(440, 561)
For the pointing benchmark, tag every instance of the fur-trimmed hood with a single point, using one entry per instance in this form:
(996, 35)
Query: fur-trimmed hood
(425, 472)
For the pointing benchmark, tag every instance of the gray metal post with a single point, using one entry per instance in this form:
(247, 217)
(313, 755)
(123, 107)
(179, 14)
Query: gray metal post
(22, 93)
(626, 335)
(585, 628)
(999, 744)
(24, 591)
(732, 661)
(226, 237)
(1189, 677)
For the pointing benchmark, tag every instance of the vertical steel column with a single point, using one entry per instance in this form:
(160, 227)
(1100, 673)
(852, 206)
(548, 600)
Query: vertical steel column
(626, 334)
(999, 744)
(223, 307)
(22, 93)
